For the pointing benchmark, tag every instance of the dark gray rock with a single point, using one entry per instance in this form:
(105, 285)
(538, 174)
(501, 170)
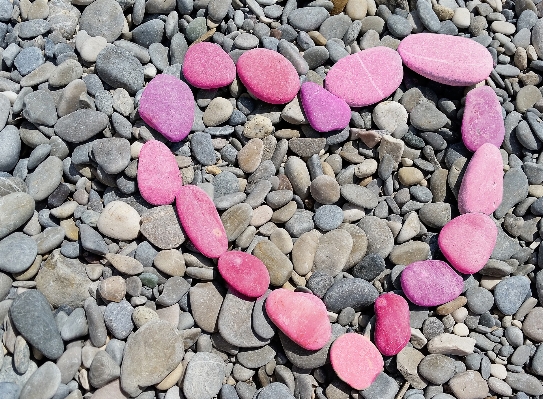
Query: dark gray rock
(81, 125)
(119, 68)
(350, 292)
(510, 293)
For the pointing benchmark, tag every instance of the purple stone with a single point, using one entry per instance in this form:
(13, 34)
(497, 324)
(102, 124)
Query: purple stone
(324, 110)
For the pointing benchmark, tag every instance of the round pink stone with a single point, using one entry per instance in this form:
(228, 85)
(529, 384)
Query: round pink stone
(431, 283)
(167, 105)
(356, 360)
(467, 241)
(245, 273)
(324, 111)
(392, 328)
(158, 174)
(268, 76)
(300, 316)
(366, 77)
(451, 60)
(208, 66)
(482, 185)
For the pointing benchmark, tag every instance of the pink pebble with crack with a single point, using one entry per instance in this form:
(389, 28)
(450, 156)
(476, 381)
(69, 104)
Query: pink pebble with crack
(356, 360)
(245, 273)
(201, 222)
(208, 66)
(366, 77)
(467, 241)
(268, 76)
(158, 174)
(392, 327)
(167, 105)
(451, 60)
(481, 189)
(300, 316)
(324, 111)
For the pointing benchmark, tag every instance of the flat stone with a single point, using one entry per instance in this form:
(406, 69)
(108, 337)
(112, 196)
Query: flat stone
(469, 385)
(437, 369)
(17, 252)
(120, 221)
(204, 376)
(392, 326)
(532, 326)
(450, 344)
(524, 382)
(510, 293)
(43, 383)
(161, 227)
(15, 210)
(307, 18)
(408, 361)
(515, 189)
(103, 18)
(81, 125)
(380, 238)
(244, 272)
(278, 265)
(205, 303)
(45, 178)
(332, 253)
(118, 319)
(119, 68)
(350, 292)
(112, 154)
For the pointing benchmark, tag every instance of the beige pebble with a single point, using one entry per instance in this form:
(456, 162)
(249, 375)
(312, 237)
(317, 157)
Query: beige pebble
(250, 156)
(71, 230)
(125, 264)
(142, 315)
(171, 379)
(282, 239)
(489, 282)
(258, 127)
(217, 112)
(261, 215)
(112, 288)
(535, 190)
(461, 330)
(171, 262)
(120, 221)
(356, 9)
(498, 371)
(303, 252)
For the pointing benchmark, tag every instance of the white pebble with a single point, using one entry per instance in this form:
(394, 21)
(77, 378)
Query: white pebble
(461, 330)
(498, 371)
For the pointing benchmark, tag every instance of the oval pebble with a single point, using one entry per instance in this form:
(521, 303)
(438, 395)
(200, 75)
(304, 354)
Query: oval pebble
(208, 66)
(392, 328)
(323, 110)
(244, 272)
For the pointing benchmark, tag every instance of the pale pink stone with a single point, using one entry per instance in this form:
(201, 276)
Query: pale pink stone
(451, 60)
(482, 185)
(208, 66)
(244, 272)
(392, 328)
(324, 111)
(366, 77)
(467, 241)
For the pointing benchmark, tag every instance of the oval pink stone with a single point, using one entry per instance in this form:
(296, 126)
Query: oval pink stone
(451, 60)
(201, 221)
(244, 272)
(482, 121)
(467, 241)
(158, 174)
(392, 328)
(356, 360)
(366, 77)
(167, 105)
(324, 111)
(431, 283)
(268, 75)
(481, 189)
(300, 316)
(208, 66)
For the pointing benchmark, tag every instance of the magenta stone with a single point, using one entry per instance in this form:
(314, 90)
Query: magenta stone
(392, 328)
(451, 60)
(300, 316)
(431, 283)
(366, 77)
(268, 76)
(208, 66)
(467, 241)
(482, 185)
(245, 273)
(482, 121)
(324, 111)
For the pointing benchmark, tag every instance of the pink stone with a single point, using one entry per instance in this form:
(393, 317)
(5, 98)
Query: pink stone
(366, 77)
(167, 105)
(392, 328)
(467, 241)
(324, 111)
(300, 316)
(482, 121)
(431, 283)
(245, 273)
(268, 75)
(451, 60)
(158, 174)
(208, 66)
(482, 185)
(356, 360)
(201, 221)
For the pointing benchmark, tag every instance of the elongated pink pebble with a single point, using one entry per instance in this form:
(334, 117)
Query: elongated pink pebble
(208, 66)
(244, 272)
(392, 328)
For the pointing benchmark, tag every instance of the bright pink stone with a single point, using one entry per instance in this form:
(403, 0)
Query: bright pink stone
(392, 328)
(167, 105)
(467, 241)
(366, 77)
(451, 60)
(244, 272)
(324, 111)
(158, 174)
(431, 283)
(268, 75)
(201, 221)
(300, 316)
(482, 121)
(208, 66)
(356, 360)
(482, 185)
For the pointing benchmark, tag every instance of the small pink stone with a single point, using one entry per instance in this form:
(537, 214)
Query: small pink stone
(268, 75)
(300, 316)
(167, 105)
(482, 121)
(356, 360)
(482, 185)
(158, 174)
(467, 241)
(201, 221)
(208, 66)
(431, 283)
(366, 77)
(451, 60)
(324, 111)
(392, 328)
(245, 273)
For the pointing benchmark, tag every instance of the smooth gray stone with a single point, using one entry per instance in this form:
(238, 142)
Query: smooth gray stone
(15, 210)
(45, 178)
(10, 148)
(510, 293)
(515, 189)
(95, 319)
(81, 125)
(350, 292)
(103, 18)
(118, 319)
(17, 252)
(308, 18)
(28, 60)
(119, 68)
